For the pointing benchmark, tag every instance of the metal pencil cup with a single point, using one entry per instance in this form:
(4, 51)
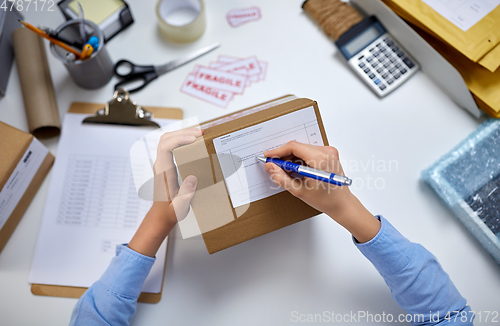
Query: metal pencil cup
(93, 72)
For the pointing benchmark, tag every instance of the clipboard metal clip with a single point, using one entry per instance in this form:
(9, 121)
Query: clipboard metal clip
(122, 111)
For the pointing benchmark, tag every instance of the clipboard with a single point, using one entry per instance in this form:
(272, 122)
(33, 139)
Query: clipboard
(120, 110)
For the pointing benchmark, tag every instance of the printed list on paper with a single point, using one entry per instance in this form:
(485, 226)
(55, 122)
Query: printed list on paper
(92, 205)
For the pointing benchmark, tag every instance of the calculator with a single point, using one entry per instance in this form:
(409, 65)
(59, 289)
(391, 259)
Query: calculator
(376, 57)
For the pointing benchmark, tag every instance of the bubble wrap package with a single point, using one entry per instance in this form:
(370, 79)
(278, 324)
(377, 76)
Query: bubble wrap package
(468, 180)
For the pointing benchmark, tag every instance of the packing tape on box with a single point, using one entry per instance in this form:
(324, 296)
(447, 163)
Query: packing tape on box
(181, 21)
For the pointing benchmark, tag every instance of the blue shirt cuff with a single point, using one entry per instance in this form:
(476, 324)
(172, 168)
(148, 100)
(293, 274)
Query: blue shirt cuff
(127, 272)
(381, 249)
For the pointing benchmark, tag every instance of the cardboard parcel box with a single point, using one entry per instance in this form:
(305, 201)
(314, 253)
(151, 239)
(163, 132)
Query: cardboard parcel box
(24, 164)
(236, 200)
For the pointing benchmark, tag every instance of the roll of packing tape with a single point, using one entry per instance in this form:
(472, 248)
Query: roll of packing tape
(181, 21)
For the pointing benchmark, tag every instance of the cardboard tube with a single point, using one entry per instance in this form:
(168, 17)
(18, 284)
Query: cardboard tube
(36, 84)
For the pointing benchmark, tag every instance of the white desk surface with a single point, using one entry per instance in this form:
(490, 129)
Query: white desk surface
(310, 267)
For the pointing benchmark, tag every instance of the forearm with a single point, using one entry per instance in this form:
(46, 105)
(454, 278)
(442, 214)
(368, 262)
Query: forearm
(155, 227)
(112, 300)
(417, 281)
(355, 218)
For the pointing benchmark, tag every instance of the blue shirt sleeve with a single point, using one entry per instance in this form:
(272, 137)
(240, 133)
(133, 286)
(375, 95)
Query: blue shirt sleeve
(113, 299)
(417, 281)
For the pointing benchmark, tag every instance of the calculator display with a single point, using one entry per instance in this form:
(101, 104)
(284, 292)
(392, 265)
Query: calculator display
(362, 40)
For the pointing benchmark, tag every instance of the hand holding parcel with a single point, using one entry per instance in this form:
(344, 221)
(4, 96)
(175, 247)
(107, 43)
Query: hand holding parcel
(171, 201)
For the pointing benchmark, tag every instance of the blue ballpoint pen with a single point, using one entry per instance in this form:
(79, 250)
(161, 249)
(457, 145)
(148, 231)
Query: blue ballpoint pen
(306, 171)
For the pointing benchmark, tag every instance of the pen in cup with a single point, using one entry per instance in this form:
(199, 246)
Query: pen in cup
(52, 33)
(308, 172)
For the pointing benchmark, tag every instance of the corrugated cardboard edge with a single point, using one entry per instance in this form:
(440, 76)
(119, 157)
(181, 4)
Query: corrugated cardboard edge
(76, 292)
(247, 227)
(25, 200)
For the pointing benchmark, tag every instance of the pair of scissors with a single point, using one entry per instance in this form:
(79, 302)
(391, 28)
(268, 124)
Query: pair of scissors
(143, 75)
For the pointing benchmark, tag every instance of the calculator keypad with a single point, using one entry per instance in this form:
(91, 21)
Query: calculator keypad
(384, 64)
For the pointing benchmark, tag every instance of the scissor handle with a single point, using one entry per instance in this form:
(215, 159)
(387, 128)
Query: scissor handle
(133, 69)
(146, 79)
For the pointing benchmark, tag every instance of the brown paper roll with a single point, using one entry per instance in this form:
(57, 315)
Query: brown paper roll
(38, 91)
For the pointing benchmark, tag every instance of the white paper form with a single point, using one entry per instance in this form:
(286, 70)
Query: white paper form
(92, 205)
(463, 13)
(246, 179)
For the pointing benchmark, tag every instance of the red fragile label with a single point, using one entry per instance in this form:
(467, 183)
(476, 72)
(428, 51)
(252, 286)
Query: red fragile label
(206, 93)
(222, 80)
(239, 17)
(244, 72)
(251, 65)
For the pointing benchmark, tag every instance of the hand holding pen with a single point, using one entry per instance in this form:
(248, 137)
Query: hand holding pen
(306, 171)
(322, 195)
(337, 202)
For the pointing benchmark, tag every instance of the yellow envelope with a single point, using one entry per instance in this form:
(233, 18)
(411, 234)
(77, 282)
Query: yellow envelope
(480, 43)
(483, 84)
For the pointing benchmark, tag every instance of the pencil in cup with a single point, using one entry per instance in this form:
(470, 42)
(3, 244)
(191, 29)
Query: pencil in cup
(66, 47)
(86, 52)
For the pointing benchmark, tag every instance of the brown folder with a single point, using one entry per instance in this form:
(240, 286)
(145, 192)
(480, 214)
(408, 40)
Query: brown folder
(76, 292)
